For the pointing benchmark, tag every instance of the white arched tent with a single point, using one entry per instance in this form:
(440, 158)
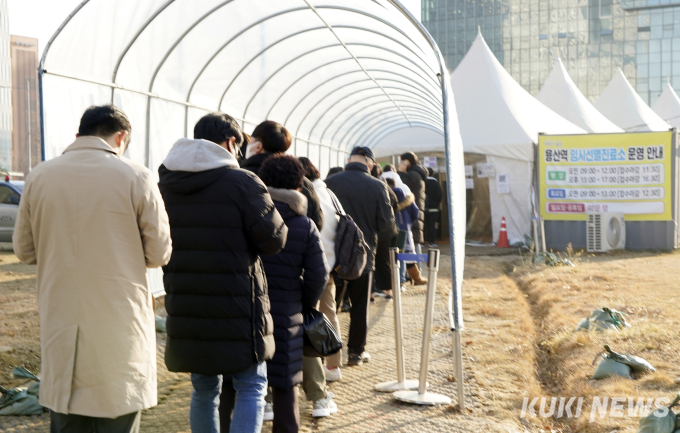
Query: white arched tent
(560, 94)
(668, 106)
(336, 73)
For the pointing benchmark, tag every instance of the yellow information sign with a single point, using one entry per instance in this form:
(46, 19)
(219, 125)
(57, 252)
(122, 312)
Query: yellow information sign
(629, 173)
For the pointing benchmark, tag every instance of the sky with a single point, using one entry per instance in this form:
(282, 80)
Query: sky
(41, 18)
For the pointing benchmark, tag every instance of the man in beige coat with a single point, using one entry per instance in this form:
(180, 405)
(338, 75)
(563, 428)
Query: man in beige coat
(93, 221)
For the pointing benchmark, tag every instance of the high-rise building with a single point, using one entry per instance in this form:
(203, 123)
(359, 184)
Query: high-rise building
(25, 104)
(5, 90)
(592, 37)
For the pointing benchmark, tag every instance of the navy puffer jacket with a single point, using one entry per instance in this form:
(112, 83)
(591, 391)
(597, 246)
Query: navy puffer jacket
(296, 278)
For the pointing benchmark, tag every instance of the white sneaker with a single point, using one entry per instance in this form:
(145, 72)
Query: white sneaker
(365, 356)
(325, 407)
(403, 288)
(268, 412)
(333, 374)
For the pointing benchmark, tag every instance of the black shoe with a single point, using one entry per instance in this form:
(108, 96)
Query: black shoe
(388, 298)
(354, 359)
(346, 308)
(372, 300)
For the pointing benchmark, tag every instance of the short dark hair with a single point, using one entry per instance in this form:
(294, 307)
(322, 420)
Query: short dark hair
(273, 136)
(376, 171)
(311, 172)
(411, 157)
(103, 121)
(282, 171)
(391, 182)
(390, 167)
(218, 127)
(334, 170)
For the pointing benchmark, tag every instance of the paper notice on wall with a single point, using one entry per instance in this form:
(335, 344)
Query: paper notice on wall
(485, 170)
(469, 183)
(430, 162)
(468, 171)
(502, 184)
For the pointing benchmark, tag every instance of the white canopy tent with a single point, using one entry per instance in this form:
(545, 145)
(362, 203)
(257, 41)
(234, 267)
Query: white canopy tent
(498, 118)
(621, 104)
(560, 94)
(336, 73)
(668, 106)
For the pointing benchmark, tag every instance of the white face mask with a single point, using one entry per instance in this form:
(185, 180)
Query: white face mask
(249, 149)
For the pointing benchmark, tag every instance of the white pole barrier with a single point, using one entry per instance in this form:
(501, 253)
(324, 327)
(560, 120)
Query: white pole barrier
(545, 250)
(401, 383)
(422, 396)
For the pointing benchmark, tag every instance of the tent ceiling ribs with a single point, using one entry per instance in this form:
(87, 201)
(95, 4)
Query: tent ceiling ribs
(352, 54)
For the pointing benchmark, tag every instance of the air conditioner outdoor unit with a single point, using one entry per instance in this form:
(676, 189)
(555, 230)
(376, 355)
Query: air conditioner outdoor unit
(605, 231)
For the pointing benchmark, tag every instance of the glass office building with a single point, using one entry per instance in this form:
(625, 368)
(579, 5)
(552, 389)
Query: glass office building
(592, 37)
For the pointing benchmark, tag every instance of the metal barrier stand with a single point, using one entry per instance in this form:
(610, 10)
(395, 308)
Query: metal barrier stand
(401, 383)
(422, 396)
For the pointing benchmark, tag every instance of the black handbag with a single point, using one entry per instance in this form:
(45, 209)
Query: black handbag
(321, 338)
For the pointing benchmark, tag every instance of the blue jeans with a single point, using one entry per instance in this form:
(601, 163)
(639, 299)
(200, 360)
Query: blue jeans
(250, 386)
(402, 271)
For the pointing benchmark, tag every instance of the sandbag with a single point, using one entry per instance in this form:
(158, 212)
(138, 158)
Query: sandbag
(583, 325)
(604, 319)
(28, 404)
(654, 423)
(161, 324)
(608, 367)
(634, 362)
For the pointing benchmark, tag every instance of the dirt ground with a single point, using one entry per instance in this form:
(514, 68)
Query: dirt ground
(518, 342)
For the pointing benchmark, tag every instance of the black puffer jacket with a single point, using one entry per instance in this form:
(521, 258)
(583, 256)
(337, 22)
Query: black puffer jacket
(366, 200)
(296, 278)
(433, 193)
(314, 211)
(414, 178)
(221, 219)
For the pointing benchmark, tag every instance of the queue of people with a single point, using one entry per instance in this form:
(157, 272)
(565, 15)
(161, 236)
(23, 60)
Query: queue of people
(246, 236)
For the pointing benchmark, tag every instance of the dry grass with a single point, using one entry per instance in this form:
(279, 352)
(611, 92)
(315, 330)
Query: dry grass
(498, 339)
(645, 287)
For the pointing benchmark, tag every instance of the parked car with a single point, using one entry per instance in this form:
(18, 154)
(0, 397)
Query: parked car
(10, 194)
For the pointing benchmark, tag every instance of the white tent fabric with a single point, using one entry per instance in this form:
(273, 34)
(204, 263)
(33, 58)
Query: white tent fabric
(336, 73)
(403, 140)
(560, 94)
(621, 104)
(668, 106)
(500, 119)
(496, 115)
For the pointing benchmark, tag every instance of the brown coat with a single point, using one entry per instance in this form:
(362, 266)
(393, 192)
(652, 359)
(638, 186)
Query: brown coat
(93, 222)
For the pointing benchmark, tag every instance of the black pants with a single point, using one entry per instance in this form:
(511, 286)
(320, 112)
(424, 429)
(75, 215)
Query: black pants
(286, 410)
(358, 326)
(227, 402)
(431, 220)
(383, 274)
(62, 423)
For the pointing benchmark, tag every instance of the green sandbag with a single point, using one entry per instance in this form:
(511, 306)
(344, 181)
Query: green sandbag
(11, 396)
(608, 367)
(28, 405)
(161, 324)
(34, 388)
(634, 362)
(583, 325)
(661, 424)
(22, 373)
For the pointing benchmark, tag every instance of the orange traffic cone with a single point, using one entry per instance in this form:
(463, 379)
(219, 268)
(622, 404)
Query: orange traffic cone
(503, 236)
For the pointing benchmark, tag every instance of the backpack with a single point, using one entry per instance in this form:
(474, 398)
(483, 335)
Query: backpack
(351, 250)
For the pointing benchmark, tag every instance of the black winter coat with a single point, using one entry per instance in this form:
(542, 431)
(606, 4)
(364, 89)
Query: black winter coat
(296, 277)
(313, 203)
(217, 301)
(366, 200)
(433, 193)
(414, 178)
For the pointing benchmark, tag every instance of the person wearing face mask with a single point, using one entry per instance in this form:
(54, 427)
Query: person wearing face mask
(271, 138)
(219, 321)
(93, 221)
